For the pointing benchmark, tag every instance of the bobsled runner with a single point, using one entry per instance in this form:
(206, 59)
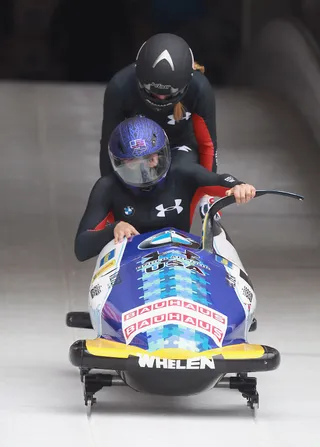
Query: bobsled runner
(171, 313)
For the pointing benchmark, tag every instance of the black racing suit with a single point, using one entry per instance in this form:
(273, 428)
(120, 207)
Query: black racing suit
(166, 206)
(197, 129)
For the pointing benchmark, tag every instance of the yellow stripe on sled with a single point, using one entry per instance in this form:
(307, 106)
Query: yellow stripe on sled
(105, 268)
(106, 348)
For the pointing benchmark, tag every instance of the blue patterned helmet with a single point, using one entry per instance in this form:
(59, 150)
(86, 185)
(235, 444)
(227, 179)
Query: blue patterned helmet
(140, 153)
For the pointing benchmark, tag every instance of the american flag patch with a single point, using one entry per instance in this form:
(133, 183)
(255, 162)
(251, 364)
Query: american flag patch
(138, 144)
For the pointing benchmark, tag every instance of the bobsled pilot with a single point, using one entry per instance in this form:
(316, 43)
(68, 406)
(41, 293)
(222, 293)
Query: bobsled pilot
(166, 85)
(148, 189)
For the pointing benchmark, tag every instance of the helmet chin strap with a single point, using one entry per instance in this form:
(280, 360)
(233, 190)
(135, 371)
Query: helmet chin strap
(158, 107)
(151, 188)
(148, 189)
(137, 191)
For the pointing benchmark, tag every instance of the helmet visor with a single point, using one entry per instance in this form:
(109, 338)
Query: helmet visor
(143, 171)
(166, 94)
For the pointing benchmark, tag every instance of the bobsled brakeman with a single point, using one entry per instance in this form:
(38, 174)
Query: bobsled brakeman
(171, 312)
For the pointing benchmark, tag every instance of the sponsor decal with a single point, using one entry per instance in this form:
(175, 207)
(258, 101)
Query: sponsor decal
(247, 294)
(139, 146)
(223, 261)
(172, 121)
(162, 210)
(229, 179)
(115, 278)
(146, 361)
(107, 257)
(129, 210)
(183, 312)
(156, 261)
(161, 86)
(231, 280)
(184, 149)
(165, 55)
(105, 269)
(247, 297)
(95, 291)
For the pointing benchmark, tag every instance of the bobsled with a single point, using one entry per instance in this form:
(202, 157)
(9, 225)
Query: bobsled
(171, 314)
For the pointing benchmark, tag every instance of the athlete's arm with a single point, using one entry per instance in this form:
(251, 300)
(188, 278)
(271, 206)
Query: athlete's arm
(93, 234)
(204, 124)
(200, 177)
(113, 114)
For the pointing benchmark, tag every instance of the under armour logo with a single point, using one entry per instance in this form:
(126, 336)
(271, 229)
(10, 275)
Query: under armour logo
(172, 121)
(162, 210)
(229, 179)
(165, 55)
(184, 149)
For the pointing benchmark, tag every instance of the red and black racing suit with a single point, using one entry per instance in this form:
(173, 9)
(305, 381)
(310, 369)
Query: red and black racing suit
(197, 129)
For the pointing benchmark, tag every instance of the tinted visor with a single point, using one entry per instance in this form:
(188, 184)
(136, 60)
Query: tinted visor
(143, 171)
(166, 92)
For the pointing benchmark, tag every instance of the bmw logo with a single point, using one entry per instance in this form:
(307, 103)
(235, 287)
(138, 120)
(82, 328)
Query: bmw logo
(128, 210)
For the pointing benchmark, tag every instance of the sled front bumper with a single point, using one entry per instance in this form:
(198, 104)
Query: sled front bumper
(108, 355)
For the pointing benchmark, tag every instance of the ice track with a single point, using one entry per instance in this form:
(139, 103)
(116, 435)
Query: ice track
(49, 138)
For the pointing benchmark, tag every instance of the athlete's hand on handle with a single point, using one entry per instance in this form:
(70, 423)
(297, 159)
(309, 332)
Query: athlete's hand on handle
(242, 193)
(123, 229)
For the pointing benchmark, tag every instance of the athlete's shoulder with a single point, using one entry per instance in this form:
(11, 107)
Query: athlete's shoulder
(104, 184)
(181, 164)
(123, 78)
(199, 86)
(200, 93)
(200, 79)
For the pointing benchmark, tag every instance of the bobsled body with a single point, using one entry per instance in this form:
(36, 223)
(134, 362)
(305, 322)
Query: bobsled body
(165, 311)
(171, 312)
(162, 291)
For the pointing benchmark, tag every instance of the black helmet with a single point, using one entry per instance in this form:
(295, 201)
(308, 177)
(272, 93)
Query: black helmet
(164, 66)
